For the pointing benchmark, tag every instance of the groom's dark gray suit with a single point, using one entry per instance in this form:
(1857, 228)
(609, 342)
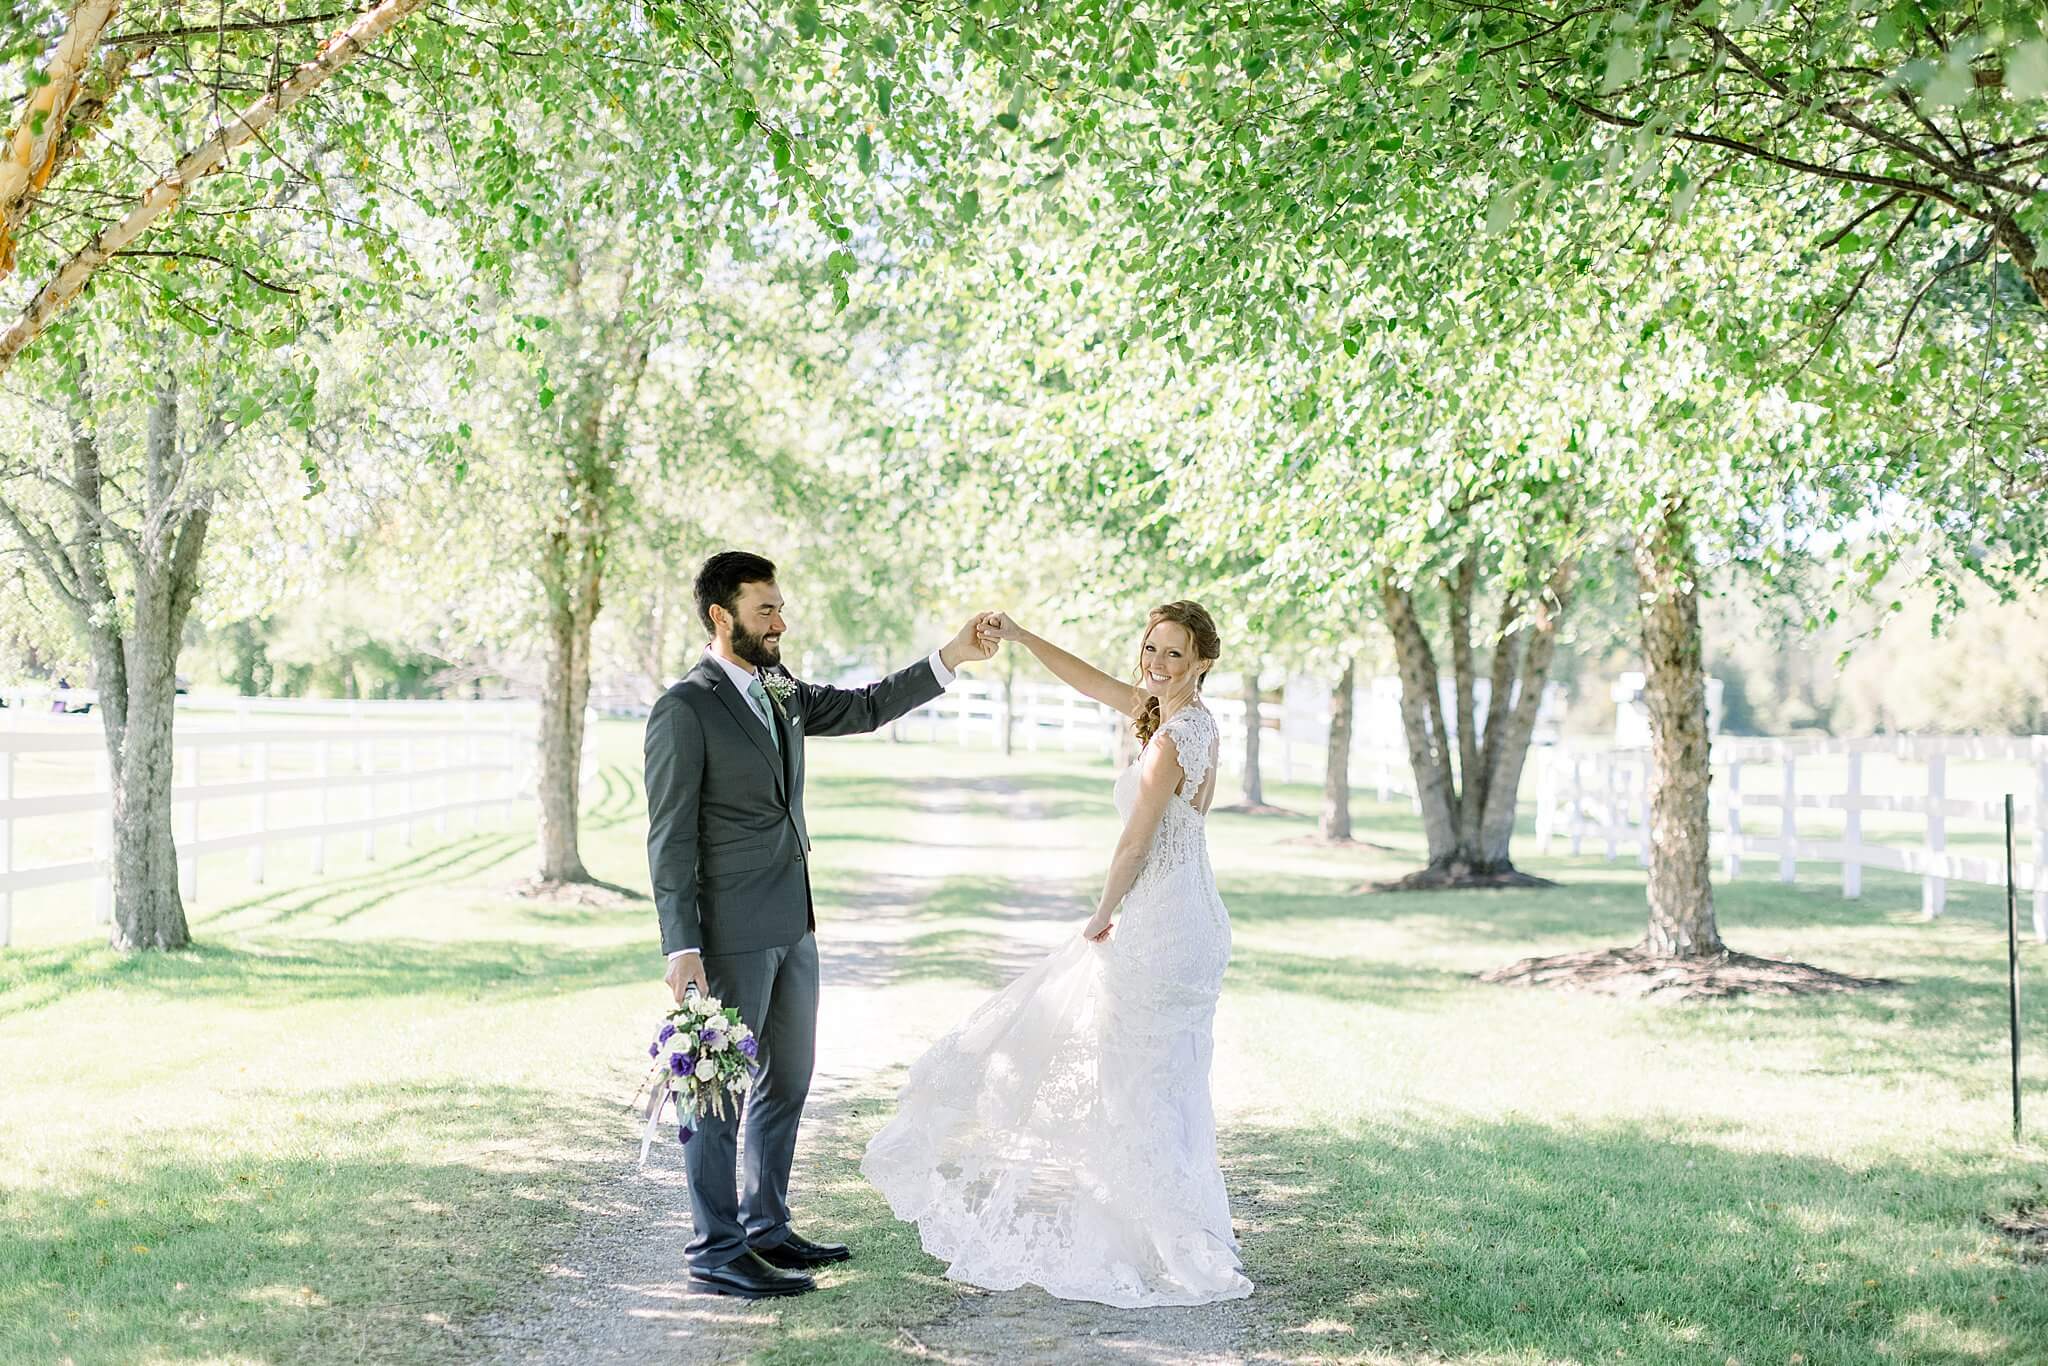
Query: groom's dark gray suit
(728, 850)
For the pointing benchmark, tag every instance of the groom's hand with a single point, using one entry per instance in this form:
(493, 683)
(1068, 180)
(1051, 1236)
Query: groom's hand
(686, 970)
(975, 640)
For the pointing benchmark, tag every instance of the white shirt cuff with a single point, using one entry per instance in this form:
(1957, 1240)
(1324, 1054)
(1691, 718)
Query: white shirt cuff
(940, 671)
(680, 952)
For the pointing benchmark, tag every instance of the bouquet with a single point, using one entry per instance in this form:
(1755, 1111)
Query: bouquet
(705, 1059)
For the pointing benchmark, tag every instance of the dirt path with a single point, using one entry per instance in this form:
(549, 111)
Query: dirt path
(618, 1293)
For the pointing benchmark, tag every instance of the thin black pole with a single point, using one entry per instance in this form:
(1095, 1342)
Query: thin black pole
(2012, 964)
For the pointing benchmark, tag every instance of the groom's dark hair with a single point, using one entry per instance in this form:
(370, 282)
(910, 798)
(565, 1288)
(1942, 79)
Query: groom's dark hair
(720, 579)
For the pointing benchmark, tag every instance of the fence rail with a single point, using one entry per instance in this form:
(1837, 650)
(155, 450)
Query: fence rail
(1048, 716)
(1601, 795)
(367, 766)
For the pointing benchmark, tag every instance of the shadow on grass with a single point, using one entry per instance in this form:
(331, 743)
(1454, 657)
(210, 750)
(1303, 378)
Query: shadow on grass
(206, 1246)
(1351, 981)
(1516, 1240)
(252, 971)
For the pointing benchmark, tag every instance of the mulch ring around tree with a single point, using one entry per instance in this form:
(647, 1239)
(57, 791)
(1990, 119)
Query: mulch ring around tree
(2027, 1225)
(592, 894)
(1455, 878)
(1637, 973)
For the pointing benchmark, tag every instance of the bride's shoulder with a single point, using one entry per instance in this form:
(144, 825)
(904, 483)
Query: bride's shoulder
(1191, 726)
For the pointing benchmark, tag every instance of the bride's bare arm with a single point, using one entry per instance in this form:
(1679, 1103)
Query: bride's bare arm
(1159, 777)
(1072, 670)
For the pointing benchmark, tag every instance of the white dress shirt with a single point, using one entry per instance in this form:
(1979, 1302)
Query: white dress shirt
(743, 677)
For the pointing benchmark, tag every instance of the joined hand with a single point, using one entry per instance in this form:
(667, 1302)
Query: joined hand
(976, 640)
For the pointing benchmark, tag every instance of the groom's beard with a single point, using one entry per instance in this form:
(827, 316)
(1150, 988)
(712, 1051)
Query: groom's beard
(758, 651)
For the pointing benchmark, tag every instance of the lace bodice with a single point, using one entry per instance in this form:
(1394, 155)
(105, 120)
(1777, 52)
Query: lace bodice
(1182, 844)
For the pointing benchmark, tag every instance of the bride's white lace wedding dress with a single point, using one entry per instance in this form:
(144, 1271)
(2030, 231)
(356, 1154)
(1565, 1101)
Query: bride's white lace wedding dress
(1063, 1135)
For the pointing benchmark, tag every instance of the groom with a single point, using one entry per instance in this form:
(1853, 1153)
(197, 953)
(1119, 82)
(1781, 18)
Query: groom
(727, 844)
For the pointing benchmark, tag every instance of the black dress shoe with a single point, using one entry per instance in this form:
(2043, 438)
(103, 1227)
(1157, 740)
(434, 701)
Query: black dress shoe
(750, 1278)
(796, 1253)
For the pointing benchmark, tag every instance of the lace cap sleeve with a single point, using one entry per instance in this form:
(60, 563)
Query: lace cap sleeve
(1194, 739)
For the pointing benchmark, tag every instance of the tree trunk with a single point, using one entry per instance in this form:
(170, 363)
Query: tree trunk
(1336, 819)
(1680, 895)
(134, 643)
(1459, 587)
(571, 570)
(573, 601)
(1512, 724)
(1468, 816)
(149, 913)
(1254, 781)
(1429, 755)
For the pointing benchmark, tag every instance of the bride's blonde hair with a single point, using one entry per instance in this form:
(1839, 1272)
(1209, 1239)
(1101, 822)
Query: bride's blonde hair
(1201, 629)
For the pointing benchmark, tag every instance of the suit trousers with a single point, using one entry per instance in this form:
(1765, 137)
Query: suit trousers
(776, 991)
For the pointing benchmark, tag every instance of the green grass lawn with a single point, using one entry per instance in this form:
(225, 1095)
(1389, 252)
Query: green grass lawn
(363, 1112)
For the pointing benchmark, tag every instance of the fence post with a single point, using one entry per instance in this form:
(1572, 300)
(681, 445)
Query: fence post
(262, 813)
(441, 784)
(366, 764)
(1577, 814)
(188, 862)
(1613, 811)
(1852, 829)
(1731, 812)
(7, 848)
(1934, 888)
(476, 780)
(323, 768)
(1788, 816)
(103, 845)
(1546, 782)
(406, 748)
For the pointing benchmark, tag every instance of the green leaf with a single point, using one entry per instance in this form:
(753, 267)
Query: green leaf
(546, 397)
(807, 21)
(1500, 214)
(2026, 71)
(1624, 64)
(968, 206)
(1951, 86)
(864, 153)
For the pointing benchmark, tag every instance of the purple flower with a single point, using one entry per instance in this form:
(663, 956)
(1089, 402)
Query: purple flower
(654, 1050)
(683, 1132)
(668, 1031)
(709, 1038)
(750, 1048)
(679, 1064)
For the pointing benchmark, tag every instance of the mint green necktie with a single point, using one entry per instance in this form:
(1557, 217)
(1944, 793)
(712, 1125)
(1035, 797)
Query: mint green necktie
(758, 695)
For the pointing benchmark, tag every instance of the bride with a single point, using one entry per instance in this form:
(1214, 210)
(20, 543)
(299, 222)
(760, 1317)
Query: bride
(1062, 1135)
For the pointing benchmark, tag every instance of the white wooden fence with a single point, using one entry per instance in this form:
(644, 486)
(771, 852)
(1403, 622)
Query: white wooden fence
(366, 766)
(1049, 716)
(1601, 796)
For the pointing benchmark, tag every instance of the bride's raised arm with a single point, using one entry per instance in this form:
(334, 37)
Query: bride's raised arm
(1072, 670)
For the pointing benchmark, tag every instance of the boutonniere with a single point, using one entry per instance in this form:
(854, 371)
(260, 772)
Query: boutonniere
(781, 687)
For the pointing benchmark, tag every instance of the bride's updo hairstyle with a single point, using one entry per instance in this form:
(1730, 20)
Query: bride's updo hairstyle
(1208, 646)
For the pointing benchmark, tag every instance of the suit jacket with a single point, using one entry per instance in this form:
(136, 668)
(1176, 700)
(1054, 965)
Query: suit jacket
(726, 840)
